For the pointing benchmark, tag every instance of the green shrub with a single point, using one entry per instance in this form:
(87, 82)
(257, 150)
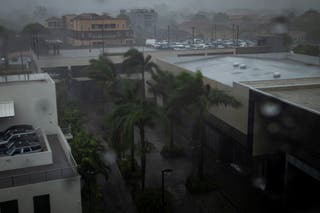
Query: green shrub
(197, 185)
(125, 169)
(307, 50)
(172, 152)
(150, 201)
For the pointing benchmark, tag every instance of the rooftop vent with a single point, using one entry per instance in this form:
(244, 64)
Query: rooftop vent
(276, 75)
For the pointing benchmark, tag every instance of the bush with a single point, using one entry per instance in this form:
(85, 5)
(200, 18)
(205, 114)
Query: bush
(197, 185)
(150, 201)
(307, 50)
(125, 169)
(172, 152)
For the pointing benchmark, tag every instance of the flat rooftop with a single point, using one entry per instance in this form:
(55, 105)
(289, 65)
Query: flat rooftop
(61, 168)
(308, 97)
(221, 69)
(24, 77)
(304, 92)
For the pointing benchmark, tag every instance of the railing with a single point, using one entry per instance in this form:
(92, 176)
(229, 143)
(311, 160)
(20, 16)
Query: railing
(37, 177)
(23, 77)
(65, 146)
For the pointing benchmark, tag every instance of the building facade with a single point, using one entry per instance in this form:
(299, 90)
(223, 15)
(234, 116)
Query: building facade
(94, 30)
(143, 22)
(44, 181)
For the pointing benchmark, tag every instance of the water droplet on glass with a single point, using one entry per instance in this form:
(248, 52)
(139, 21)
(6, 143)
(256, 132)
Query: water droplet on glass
(270, 109)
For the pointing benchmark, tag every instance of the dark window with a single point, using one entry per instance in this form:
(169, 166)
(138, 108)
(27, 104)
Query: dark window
(36, 147)
(17, 151)
(41, 204)
(25, 150)
(9, 206)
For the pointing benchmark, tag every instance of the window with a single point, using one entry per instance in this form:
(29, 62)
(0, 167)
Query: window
(25, 150)
(35, 147)
(16, 152)
(41, 204)
(9, 206)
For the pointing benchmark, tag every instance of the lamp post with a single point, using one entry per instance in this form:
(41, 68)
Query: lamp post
(163, 172)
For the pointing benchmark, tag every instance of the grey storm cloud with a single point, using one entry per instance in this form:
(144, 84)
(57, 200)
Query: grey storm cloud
(109, 5)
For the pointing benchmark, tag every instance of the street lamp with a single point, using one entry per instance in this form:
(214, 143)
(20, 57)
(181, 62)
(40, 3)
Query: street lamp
(163, 172)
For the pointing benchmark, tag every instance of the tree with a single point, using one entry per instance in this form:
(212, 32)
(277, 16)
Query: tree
(125, 116)
(164, 85)
(199, 98)
(103, 71)
(135, 62)
(4, 36)
(122, 130)
(34, 28)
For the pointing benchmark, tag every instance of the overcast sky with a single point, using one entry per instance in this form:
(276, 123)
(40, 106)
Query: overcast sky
(114, 5)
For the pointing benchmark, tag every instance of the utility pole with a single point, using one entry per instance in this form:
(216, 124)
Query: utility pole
(168, 35)
(215, 32)
(211, 32)
(102, 34)
(193, 30)
(238, 32)
(233, 34)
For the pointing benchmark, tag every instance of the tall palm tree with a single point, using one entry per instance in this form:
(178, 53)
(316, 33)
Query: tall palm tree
(199, 97)
(122, 131)
(135, 62)
(164, 85)
(127, 115)
(103, 70)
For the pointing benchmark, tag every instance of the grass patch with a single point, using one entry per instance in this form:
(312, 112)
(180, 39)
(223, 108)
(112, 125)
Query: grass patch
(197, 185)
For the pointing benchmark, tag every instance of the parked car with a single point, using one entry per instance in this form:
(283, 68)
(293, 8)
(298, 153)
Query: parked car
(23, 147)
(15, 132)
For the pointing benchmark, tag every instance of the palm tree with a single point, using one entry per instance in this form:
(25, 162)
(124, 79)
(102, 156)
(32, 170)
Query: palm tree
(126, 116)
(135, 62)
(123, 132)
(164, 85)
(103, 70)
(199, 98)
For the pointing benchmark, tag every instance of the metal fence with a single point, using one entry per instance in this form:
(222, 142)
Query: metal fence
(37, 177)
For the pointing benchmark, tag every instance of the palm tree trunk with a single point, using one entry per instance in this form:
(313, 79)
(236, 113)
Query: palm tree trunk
(171, 133)
(202, 142)
(143, 156)
(132, 150)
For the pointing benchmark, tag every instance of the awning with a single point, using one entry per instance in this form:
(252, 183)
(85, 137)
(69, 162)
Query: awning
(6, 109)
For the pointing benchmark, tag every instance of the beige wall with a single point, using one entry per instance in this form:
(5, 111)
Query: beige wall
(85, 25)
(34, 103)
(107, 41)
(235, 117)
(65, 195)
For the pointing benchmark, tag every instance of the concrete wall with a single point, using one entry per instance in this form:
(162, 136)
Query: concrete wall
(34, 103)
(27, 160)
(305, 58)
(235, 117)
(64, 194)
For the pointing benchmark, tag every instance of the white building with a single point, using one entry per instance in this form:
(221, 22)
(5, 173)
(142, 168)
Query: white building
(45, 181)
